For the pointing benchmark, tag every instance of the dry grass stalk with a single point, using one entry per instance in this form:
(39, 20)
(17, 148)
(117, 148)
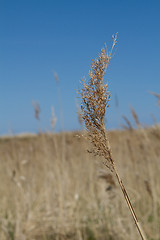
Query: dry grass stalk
(128, 123)
(53, 119)
(157, 96)
(94, 100)
(135, 117)
(37, 109)
(80, 120)
(59, 99)
(148, 188)
(56, 77)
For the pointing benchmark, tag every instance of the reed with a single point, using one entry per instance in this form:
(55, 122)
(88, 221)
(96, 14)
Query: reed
(95, 99)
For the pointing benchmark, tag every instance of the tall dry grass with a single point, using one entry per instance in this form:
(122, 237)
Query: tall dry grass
(95, 99)
(47, 194)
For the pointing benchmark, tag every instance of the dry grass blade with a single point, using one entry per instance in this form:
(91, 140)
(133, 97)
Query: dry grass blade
(157, 96)
(59, 99)
(128, 123)
(94, 100)
(135, 117)
(37, 109)
(80, 120)
(53, 119)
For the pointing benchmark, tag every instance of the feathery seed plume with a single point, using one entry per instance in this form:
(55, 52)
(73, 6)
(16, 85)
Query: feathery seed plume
(95, 99)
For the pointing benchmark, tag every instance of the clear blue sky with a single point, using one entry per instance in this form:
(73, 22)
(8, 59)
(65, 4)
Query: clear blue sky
(38, 37)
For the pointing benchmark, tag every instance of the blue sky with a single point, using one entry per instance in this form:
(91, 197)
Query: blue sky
(38, 37)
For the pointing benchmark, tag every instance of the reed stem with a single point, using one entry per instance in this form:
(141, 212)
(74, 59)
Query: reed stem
(130, 206)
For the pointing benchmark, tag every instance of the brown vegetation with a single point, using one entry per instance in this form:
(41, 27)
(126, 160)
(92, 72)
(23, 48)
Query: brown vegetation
(51, 190)
(94, 101)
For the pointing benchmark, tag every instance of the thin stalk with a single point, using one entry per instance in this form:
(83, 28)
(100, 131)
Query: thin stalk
(130, 206)
(125, 194)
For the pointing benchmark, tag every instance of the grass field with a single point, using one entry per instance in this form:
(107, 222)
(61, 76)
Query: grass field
(52, 188)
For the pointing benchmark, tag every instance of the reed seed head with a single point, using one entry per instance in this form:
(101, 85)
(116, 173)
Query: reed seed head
(135, 117)
(95, 99)
(53, 119)
(37, 109)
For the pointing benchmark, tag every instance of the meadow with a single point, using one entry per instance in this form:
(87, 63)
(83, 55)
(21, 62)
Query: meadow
(51, 188)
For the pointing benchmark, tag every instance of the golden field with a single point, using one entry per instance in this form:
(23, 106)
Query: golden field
(51, 188)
